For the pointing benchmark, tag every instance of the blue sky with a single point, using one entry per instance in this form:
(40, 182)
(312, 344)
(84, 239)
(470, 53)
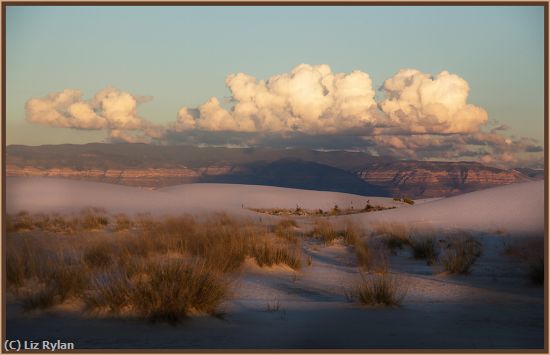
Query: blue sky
(181, 55)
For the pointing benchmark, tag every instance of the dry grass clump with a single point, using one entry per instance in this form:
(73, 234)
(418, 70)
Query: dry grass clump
(460, 253)
(269, 255)
(122, 222)
(22, 262)
(92, 218)
(168, 290)
(363, 254)
(324, 231)
(380, 290)
(351, 233)
(395, 235)
(286, 229)
(59, 282)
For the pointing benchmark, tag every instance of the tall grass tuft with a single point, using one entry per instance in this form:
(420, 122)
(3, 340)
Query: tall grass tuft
(269, 255)
(176, 289)
(381, 289)
(286, 229)
(324, 231)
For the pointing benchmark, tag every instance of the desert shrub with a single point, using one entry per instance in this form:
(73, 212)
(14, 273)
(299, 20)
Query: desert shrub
(324, 231)
(408, 200)
(269, 255)
(382, 289)
(424, 248)
(397, 199)
(460, 254)
(122, 222)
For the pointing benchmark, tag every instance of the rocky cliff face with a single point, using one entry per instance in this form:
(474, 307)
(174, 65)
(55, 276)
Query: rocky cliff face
(153, 177)
(436, 179)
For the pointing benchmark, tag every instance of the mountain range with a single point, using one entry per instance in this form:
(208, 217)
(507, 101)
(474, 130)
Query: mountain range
(343, 171)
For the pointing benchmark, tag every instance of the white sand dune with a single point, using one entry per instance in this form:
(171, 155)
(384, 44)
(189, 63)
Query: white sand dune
(514, 209)
(53, 194)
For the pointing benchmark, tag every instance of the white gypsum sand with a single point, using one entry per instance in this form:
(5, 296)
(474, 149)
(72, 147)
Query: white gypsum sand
(495, 306)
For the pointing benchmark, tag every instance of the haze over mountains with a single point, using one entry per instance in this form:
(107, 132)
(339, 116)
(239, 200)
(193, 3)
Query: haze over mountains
(353, 172)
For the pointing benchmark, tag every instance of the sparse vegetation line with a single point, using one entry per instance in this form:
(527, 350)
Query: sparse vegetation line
(334, 211)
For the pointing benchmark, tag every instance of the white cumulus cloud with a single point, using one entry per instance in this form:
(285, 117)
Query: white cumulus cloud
(309, 99)
(109, 109)
(420, 103)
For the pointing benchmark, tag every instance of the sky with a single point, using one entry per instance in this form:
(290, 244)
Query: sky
(433, 83)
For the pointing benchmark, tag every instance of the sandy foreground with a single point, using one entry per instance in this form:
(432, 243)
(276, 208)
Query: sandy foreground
(495, 306)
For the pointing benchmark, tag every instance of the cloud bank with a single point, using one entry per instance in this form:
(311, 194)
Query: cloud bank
(417, 116)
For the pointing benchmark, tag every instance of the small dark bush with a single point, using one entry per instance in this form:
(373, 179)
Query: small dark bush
(408, 200)
(460, 254)
(424, 248)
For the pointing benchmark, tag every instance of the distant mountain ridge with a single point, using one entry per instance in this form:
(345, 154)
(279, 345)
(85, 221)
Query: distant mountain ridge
(342, 171)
